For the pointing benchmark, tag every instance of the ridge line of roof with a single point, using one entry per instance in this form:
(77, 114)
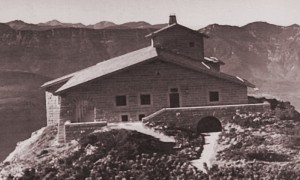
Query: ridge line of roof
(179, 25)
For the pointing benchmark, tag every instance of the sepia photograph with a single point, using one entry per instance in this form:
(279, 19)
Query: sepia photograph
(150, 90)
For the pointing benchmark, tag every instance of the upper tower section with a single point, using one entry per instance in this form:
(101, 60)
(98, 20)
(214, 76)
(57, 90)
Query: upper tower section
(179, 39)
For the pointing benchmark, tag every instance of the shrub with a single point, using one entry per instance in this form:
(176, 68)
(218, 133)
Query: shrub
(253, 120)
(255, 170)
(265, 155)
(29, 174)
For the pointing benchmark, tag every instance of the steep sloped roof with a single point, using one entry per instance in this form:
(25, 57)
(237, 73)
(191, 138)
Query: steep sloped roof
(199, 66)
(136, 57)
(104, 68)
(175, 25)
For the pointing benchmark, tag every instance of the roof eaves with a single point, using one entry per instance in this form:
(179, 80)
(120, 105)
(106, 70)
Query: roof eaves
(57, 80)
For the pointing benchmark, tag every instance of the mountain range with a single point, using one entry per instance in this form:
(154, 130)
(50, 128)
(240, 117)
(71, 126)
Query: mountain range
(30, 54)
(21, 25)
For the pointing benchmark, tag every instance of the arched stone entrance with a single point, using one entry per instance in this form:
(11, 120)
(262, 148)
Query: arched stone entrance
(83, 111)
(209, 124)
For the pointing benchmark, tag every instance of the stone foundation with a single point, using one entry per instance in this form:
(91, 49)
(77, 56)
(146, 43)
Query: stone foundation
(77, 130)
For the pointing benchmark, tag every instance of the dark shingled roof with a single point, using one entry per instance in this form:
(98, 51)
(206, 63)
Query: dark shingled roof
(105, 68)
(176, 26)
(136, 57)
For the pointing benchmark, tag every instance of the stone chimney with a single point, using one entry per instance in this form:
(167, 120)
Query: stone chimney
(172, 19)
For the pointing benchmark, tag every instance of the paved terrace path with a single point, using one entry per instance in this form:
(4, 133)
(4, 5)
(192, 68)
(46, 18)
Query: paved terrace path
(140, 127)
(208, 154)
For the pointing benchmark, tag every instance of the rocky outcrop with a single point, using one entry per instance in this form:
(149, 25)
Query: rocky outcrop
(257, 50)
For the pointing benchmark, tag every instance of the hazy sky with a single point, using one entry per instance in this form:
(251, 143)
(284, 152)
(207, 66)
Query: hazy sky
(191, 13)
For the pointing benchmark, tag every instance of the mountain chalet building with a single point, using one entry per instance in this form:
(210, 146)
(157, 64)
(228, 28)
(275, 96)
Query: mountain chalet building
(172, 72)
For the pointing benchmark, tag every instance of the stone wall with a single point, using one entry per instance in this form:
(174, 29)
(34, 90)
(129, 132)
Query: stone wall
(178, 40)
(154, 78)
(77, 130)
(53, 108)
(189, 117)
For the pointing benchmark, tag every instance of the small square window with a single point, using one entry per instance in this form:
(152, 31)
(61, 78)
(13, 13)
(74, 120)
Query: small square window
(192, 44)
(124, 118)
(141, 116)
(145, 99)
(121, 101)
(213, 96)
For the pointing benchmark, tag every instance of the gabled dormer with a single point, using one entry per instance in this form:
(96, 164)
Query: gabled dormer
(183, 41)
(179, 39)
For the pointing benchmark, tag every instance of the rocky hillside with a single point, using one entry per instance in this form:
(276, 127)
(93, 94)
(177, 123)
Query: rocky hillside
(56, 52)
(116, 153)
(250, 146)
(257, 50)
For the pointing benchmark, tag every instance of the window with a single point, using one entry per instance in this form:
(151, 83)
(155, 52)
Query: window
(121, 101)
(213, 96)
(145, 99)
(141, 116)
(192, 44)
(124, 118)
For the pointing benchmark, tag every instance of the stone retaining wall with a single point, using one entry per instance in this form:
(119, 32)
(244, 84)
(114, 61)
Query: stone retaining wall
(188, 117)
(77, 130)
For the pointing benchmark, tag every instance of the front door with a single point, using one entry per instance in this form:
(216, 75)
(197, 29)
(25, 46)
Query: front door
(84, 111)
(174, 100)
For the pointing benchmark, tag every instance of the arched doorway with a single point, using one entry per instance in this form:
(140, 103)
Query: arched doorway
(209, 124)
(84, 111)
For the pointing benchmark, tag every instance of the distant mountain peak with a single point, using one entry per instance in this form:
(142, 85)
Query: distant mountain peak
(21, 25)
(16, 21)
(102, 25)
(294, 26)
(137, 24)
(258, 24)
(53, 22)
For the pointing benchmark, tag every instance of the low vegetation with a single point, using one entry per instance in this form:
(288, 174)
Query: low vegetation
(259, 146)
(253, 146)
(118, 154)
